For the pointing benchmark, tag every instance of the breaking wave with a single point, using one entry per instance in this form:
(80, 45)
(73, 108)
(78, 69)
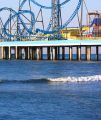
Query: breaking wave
(76, 79)
(61, 79)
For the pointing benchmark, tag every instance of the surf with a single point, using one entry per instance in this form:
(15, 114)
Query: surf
(76, 79)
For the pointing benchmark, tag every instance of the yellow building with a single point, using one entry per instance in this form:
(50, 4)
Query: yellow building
(72, 32)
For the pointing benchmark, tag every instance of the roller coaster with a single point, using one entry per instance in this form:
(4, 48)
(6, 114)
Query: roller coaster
(21, 24)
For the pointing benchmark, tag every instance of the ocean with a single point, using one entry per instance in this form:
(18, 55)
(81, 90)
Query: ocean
(50, 90)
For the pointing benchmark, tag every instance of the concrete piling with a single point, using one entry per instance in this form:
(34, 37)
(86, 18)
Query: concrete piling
(88, 53)
(63, 53)
(79, 53)
(97, 53)
(70, 53)
(1, 52)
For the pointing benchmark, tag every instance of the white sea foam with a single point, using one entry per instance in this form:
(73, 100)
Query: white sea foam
(76, 79)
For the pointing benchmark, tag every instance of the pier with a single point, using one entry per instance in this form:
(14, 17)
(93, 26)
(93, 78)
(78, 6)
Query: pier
(26, 35)
(53, 49)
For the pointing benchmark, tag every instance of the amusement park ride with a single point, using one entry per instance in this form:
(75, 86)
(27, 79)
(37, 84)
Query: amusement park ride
(21, 24)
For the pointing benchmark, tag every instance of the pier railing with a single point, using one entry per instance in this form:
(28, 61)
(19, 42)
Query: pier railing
(84, 38)
(46, 39)
(69, 38)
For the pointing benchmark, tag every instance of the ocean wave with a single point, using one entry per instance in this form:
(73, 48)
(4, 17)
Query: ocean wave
(40, 80)
(76, 79)
(61, 79)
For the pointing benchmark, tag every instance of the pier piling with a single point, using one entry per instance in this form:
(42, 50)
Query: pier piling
(79, 53)
(1, 52)
(48, 53)
(54, 53)
(63, 53)
(97, 53)
(70, 53)
(88, 53)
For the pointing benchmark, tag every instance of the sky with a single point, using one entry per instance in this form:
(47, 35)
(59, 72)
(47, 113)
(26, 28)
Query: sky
(91, 5)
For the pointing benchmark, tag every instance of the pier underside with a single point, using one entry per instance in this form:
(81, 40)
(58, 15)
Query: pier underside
(51, 50)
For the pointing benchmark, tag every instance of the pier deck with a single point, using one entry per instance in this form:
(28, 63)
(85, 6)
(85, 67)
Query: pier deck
(33, 50)
(46, 43)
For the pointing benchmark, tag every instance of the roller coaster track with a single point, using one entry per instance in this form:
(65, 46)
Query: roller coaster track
(42, 6)
(29, 31)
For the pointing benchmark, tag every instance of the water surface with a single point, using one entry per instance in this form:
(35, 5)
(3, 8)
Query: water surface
(28, 93)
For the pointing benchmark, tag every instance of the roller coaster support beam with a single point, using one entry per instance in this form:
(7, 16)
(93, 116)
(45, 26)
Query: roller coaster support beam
(56, 16)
